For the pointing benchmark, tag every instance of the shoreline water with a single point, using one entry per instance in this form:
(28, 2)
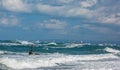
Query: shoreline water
(59, 56)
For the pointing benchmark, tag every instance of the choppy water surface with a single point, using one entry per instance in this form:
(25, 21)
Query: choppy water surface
(58, 56)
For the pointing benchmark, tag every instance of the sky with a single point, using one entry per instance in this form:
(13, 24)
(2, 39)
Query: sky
(97, 20)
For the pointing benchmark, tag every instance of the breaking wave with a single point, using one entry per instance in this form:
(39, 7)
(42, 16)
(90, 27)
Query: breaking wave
(10, 44)
(111, 50)
(52, 44)
(1, 52)
(73, 45)
(49, 60)
(16, 43)
(54, 54)
(24, 42)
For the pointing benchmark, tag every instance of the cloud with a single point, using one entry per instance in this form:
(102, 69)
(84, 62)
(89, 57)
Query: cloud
(101, 11)
(53, 24)
(49, 9)
(65, 11)
(15, 5)
(75, 9)
(9, 21)
(112, 19)
(88, 3)
(90, 9)
(62, 10)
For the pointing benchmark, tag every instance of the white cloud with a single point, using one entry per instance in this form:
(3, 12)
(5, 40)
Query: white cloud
(53, 24)
(66, 11)
(70, 8)
(99, 14)
(105, 15)
(15, 5)
(112, 19)
(88, 3)
(76, 12)
(9, 21)
(49, 9)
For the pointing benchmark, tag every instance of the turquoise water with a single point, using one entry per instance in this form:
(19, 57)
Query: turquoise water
(58, 55)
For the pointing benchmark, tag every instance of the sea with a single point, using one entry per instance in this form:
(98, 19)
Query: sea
(52, 55)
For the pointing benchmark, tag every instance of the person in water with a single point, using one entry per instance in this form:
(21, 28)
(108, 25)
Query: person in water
(31, 52)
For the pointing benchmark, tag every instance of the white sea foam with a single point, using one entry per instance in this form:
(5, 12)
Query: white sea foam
(37, 41)
(24, 42)
(100, 65)
(1, 52)
(74, 45)
(52, 43)
(100, 44)
(49, 60)
(107, 44)
(7, 53)
(9, 44)
(4, 52)
(17, 44)
(111, 50)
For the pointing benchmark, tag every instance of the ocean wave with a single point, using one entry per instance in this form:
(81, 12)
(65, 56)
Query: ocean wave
(111, 50)
(6, 52)
(106, 44)
(2, 52)
(24, 42)
(51, 44)
(49, 60)
(16, 43)
(4, 67)
(10, 44)
(73, 45)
